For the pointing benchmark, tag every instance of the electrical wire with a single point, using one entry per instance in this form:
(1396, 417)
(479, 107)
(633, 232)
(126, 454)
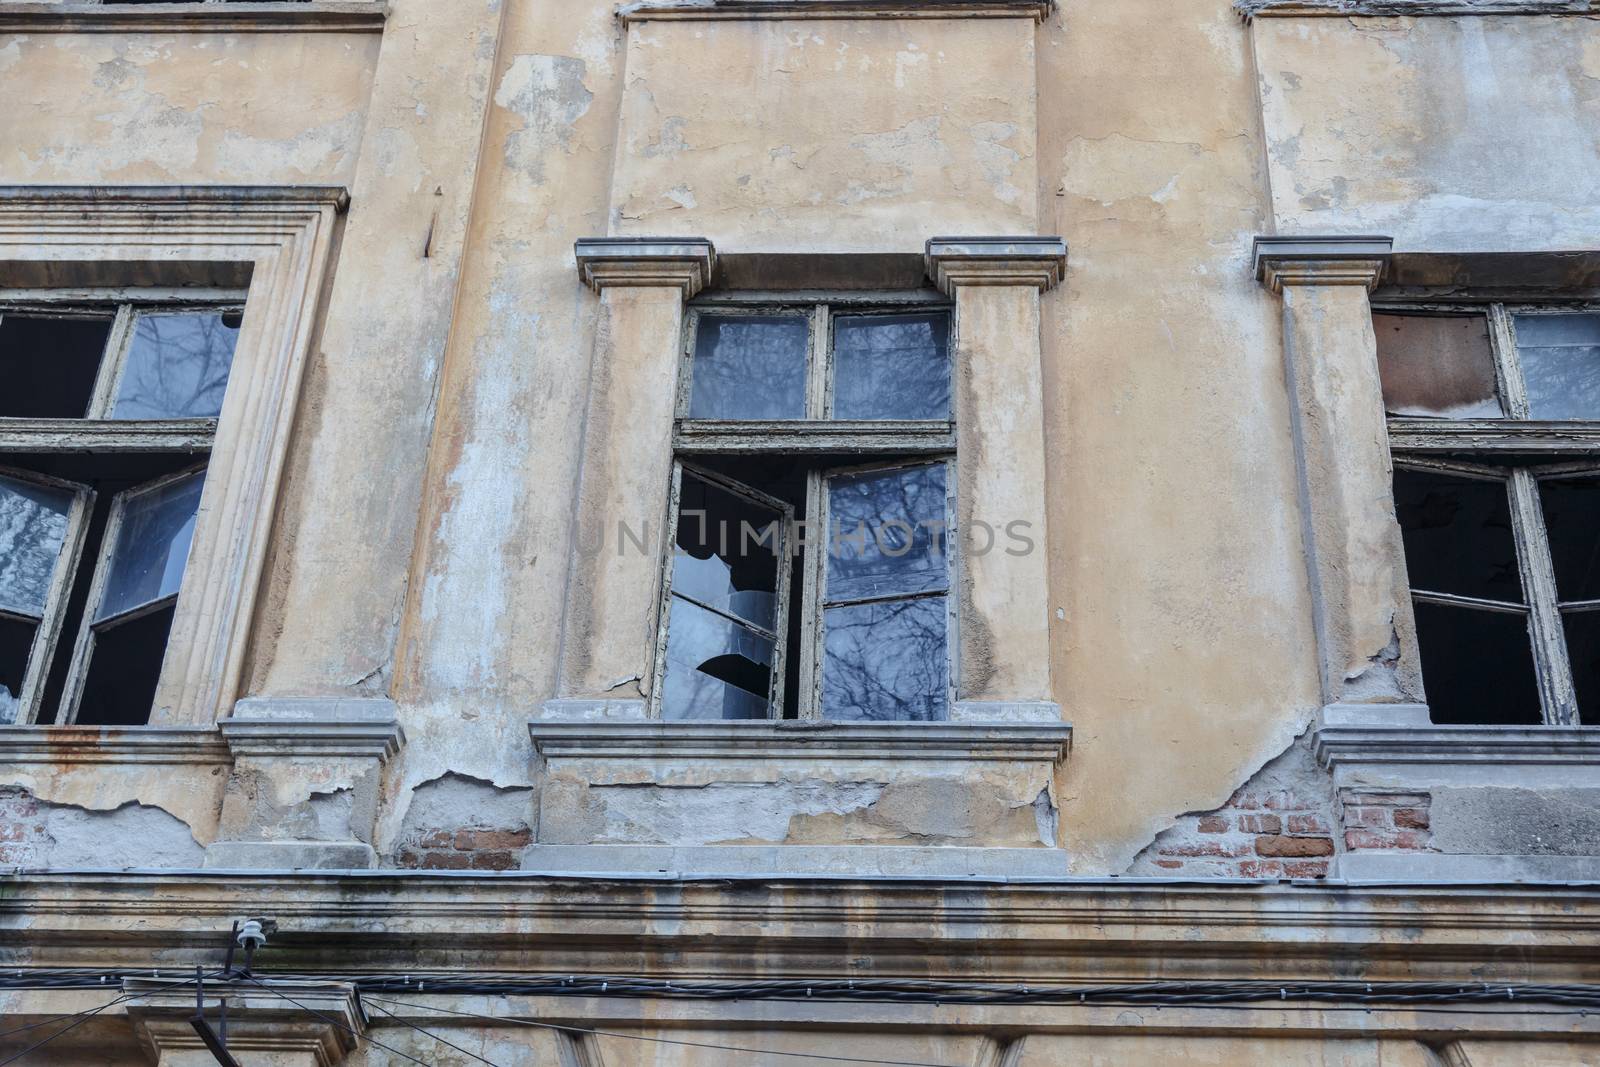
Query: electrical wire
(665, 1040)
(84, 1016)
(426, 1033)
(330, 1020)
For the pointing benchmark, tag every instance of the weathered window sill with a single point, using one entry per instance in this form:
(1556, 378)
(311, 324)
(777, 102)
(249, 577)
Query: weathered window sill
(1399, 746)
(681, 10)
(59, 745)
(1388, 8)
(900, 742)
(291, 16)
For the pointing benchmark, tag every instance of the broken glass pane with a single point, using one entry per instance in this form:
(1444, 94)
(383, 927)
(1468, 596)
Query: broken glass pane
(177, 365)
(33, 527)
(891, 366)
(1477, 666)
(1560, 365)
(1436, 365)
(16, 646)
(749, 367)
(48, 365)
(1583, 649)
(886, 533)
(1572, 518)
(886, 661)
(1457, 535)
(716, 668)
(725, 555)
(152, 546)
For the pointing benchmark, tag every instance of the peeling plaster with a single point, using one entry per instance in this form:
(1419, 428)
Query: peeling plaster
(37, 833)
(548, 94)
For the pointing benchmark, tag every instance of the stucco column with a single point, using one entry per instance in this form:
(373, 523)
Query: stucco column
(1003, 584)
(1366, 654)
(612, 599)
(270, 1024)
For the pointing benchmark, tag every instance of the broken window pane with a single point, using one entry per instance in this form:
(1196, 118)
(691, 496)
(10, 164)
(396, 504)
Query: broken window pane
(885, 661)
(1477, 666)
(1583, 649)
(1436, 365)
(16, 647)
(1560, 365)
(152, 546)
(1457, 535)
(749, 367)
(891, 366)
(177, 365)
(1572, 519)
(887, 533)
(48, 364)
(716, 668)
(33, 528)
(725, 556)
(124, 668)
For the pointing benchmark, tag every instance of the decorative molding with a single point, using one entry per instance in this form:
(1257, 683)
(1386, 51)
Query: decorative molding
(1251, 9)
(682, 262)
(1502, 436)
(1339, 745)
(880, 861)
(1333, 260)
(1035, 261)
(271, 1017)
(70, 435)
(61, 745)
(710, 10)
(286, 728)
(900, 742)
(285, 234)
(304, 16)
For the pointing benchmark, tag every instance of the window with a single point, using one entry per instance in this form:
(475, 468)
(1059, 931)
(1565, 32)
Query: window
(810, 575)
(106, 421)
(1494, 412)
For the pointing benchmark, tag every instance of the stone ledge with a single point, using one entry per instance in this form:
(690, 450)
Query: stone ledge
(1413, 867)
(312, 726)
(683, 262)
(886, 861)
(1250, 9)
(55, 745)
(311, 16)
(898, 742)
(702, 10)
(1035, 261)
(290, 856)
(1336, 746)
(1336, 259)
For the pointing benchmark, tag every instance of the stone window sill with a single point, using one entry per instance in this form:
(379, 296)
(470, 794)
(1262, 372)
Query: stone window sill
(60, 745)
(263, 16)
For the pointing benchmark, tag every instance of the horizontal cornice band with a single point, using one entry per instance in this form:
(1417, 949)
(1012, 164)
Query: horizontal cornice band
(709, 10)
(312, 16)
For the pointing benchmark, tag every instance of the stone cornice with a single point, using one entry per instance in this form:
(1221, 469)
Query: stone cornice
(314, 727)
(1336, 746)
(315, 16)
(1333, 260)
(321, 1019)
(900, 742)
(60, 745)
(955, 261)
(705, 10)
(682, 262)
(1250, 9)
(188, 197)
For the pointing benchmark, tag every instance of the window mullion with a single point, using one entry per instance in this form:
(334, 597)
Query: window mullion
(819, 374)
(812, 576)
(43, 653)
(663, 619)
(1556, 692)
(1508, 368)
(111, 361)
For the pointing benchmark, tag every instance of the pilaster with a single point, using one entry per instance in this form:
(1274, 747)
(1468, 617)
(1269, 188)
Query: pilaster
(281, 1024)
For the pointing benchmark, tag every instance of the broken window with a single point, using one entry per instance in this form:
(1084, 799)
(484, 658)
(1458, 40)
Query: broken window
(810, 576)
(1495, 425)
(105, 425)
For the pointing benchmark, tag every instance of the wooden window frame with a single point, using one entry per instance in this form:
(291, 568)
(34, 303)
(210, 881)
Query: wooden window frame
(1558, 448)
(910, 443)
(278, 241)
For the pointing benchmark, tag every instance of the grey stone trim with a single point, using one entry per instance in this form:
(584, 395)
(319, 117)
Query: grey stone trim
(1005, 711)
(314, 726)
(1337, 746)
(1036, 261)
(1388, 8)
(802, 740)
(1334, 259)
(1413, 867)
(683, 10)
(141, 196)
(580, 709)
(684, 262)
(888, 861)
(290, 856)
(293, 1021)
(317, 16)
(169, 745)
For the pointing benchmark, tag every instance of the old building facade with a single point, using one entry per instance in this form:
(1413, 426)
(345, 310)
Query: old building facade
(1007, 533)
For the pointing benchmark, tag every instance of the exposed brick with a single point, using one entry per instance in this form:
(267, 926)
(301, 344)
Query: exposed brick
(1392, 800)
(437, 839)
(1260, 869)
(1261, 824)
(1228, 850)
(496, 860)
(473, 840)
(407, 858)
(1213, 824)
(1416, 840)
(1306, 868)
(1280, 845)
(1411, 818)
(1307, 824)
(1170, 865)
(1364, 839)
(1372, 818)
(448, 861)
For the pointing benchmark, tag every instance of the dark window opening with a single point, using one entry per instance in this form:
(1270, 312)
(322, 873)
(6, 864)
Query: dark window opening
(49, 364)
(120, 685)
(1477, 666)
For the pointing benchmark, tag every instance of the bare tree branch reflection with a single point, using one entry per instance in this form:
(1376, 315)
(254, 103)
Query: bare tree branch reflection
(177, 366)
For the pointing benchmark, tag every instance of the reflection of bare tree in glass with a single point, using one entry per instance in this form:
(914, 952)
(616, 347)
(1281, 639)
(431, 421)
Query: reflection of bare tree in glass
(886, 661)
(887, 532)
(177, 366)
(749, 367)
(891, 367)
(1560, 356)
(33, 525)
